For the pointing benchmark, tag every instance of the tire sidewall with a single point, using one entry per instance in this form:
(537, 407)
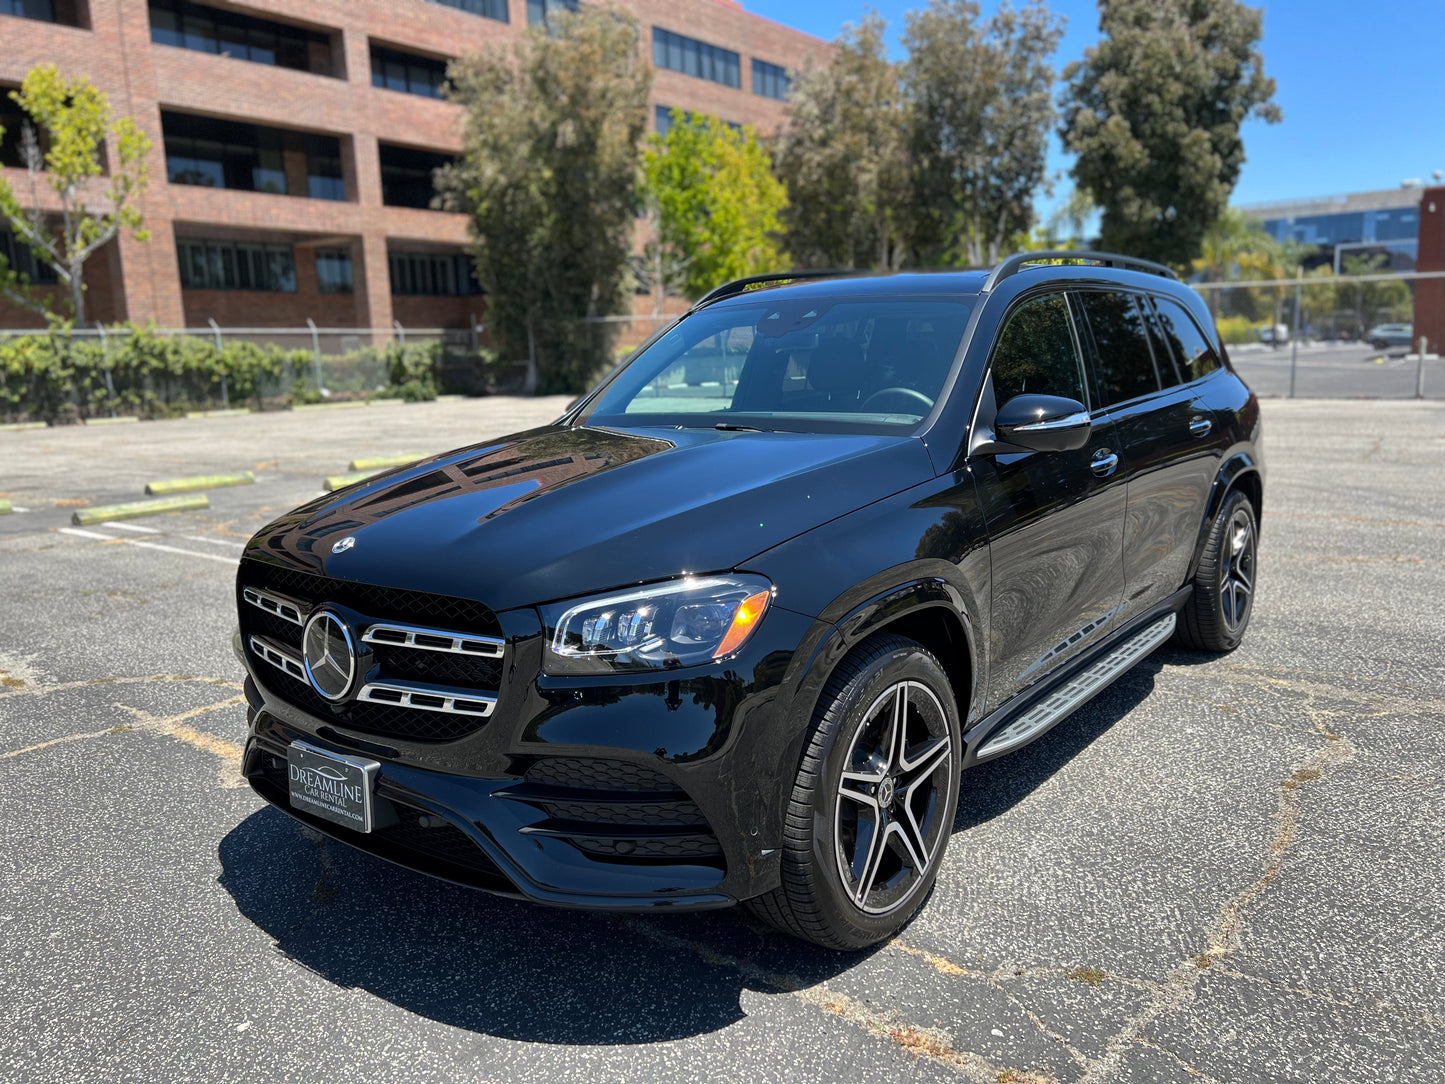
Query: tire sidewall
(1232, 504)
(903, 663)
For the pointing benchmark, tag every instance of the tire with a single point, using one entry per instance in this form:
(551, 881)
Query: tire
(830, 892)
(1217, 614)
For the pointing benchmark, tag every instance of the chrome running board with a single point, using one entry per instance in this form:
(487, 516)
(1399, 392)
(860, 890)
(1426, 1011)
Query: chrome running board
(1077, 689)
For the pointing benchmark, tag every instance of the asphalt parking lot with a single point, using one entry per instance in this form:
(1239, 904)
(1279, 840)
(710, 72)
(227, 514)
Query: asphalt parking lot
(1335, 370)
(1222, 869)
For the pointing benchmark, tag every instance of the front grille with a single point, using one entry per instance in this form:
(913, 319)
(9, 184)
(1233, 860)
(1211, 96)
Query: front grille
(422, 712)
(616, 809)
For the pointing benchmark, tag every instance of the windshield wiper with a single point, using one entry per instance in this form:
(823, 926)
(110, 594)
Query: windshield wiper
(728, 427)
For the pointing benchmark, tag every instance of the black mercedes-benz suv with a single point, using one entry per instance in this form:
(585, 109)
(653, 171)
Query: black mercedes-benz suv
(734, 627)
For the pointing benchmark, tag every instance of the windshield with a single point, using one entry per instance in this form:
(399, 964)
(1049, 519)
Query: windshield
(799, 365)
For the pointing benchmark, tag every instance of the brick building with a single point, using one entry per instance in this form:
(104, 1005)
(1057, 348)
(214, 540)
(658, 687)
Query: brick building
(1430, 293)
(294, 142)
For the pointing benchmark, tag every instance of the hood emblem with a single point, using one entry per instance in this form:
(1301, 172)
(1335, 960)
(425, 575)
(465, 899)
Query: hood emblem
(345, 544)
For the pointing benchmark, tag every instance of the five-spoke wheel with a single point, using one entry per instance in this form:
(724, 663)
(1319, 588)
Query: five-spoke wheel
(1216, 615)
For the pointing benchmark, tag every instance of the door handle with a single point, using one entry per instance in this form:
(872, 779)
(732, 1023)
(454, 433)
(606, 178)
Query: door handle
(1199, 426)
(1104, 462)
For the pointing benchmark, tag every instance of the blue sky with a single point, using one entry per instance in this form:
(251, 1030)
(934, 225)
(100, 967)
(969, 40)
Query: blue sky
(1362, 87)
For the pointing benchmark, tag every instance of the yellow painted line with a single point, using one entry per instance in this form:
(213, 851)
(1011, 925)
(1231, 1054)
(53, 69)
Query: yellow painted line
(85, 516)
(386, 402)
(381, 462)
(204, 481)
(19, 426)
(111, 421)
(341, 481)
(235, 412)
(330, 406)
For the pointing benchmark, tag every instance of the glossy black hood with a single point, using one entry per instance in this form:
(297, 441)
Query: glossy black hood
(559, 511)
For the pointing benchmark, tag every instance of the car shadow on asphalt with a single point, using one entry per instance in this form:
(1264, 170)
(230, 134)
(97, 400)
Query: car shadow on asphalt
(503, 967)
(993, 788)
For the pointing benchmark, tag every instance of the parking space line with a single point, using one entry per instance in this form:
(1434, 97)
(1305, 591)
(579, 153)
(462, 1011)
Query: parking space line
(132, 527)
(213, 541)
(96, 536)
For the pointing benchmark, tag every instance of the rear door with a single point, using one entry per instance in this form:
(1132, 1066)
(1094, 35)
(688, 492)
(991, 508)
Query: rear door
(1166, 432)
(1055, 519)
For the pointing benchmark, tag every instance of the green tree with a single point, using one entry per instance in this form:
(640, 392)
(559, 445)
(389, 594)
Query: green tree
(1387, 299)
(73, 121)
(981, 106)
(1153, 114)
(549, 176)
(842, 156)
(717, 202)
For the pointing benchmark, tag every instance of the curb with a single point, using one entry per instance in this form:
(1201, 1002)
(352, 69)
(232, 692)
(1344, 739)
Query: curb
(205, 481)
(122, 420)
(5, 508)
(235, 412)
(382, 462)
(386, 402)
(84, 517)
(18, 427)
(350, 403)
(341, 481)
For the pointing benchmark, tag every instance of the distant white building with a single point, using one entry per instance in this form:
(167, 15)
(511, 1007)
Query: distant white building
(1386, 222)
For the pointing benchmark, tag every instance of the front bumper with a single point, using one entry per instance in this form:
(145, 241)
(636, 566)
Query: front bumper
(639, 796)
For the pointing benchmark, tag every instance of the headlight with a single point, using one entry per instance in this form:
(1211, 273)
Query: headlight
(677, 623)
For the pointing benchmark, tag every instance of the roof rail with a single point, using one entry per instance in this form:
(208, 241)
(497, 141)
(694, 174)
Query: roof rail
(737, 286)
(1017, 262)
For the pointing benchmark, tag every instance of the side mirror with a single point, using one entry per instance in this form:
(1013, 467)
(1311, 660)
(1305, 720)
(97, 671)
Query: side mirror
(1043, 423)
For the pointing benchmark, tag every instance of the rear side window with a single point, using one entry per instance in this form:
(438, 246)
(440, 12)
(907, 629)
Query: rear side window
(1192, 352)
(1035, 353)
(1125, 367)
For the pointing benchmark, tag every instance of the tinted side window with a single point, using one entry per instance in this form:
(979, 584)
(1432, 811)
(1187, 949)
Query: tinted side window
(1035, 352)
(1164, 363)
(1125, 366)
(1192, 351)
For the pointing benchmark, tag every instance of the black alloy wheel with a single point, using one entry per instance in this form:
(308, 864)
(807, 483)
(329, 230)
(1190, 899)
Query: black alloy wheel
(874, 801)
(1217, 614)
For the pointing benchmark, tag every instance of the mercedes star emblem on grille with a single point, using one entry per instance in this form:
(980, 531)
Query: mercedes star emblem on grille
(345, 544)
(330, 656)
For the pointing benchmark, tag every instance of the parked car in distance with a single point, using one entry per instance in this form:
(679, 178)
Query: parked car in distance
(1275, 335)
(698, 644)
(1385, 335)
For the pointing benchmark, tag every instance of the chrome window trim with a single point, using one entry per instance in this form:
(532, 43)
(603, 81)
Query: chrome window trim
(490, 646)
(406, 693)
(276, 605)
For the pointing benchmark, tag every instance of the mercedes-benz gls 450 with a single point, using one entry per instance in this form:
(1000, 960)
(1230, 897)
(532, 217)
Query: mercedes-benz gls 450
(737, 625)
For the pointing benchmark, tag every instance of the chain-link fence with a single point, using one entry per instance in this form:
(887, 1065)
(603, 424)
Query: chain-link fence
(1321, 335)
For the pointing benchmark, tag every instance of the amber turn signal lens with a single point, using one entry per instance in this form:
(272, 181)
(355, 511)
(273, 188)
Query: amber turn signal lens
(744, 621)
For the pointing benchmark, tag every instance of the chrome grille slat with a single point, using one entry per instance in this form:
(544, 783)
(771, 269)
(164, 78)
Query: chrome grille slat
(285, 660)
(285, 608)
(412, 694)
(456, 643)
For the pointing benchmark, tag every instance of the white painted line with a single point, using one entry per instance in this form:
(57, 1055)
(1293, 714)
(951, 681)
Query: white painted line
(96, 536)
(175, 549)
(213, 541)
(88, 534)
(17, 508)
(132, 527)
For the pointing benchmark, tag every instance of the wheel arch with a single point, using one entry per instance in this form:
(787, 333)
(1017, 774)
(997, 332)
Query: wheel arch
(1239, 471)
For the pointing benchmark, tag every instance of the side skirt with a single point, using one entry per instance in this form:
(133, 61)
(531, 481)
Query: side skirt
(1015, 725)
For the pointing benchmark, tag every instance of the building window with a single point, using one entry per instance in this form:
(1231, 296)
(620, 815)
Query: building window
(223, 154)
(770, 81)
(432, 274)
(538, 10)
(491, 9)
(692, 57)
(410, 74)
(64, 12)
(227, 33)
(333, 270)
(663, 120)
(324, 179)
(21, 259)
(236, 265)
(406, 176)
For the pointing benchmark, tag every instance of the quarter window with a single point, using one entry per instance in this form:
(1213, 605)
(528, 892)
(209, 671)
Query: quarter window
(1123, 362)
(1192, 352)
(1035, 353)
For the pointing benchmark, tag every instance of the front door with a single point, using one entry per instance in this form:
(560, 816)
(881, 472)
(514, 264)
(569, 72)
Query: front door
(1055, 519)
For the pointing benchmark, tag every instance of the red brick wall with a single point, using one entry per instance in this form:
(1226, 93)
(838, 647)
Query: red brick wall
(1430, 293)
(142, 78)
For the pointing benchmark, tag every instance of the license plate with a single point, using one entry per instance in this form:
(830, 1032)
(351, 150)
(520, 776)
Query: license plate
(331, 786)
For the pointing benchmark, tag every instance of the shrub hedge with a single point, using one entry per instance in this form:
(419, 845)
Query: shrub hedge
(56, 377)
